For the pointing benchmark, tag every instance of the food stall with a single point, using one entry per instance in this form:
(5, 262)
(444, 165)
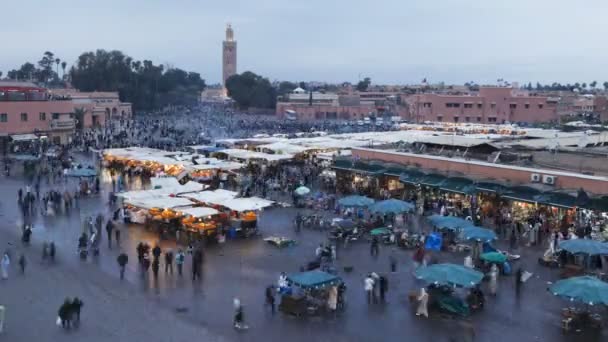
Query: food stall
(309, 293)
(244, 213)
(199, 221)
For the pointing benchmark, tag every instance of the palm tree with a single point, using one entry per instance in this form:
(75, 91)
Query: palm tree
(57, 61)
(63, 65)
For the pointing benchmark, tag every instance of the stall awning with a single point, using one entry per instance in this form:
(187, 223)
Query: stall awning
(313, 279)
(556, 199)
(493, 187)
(411, 177)
(522, 193)
(24, 137)
(394, 170)
(432, 180)
(599, 204)
(458, 185)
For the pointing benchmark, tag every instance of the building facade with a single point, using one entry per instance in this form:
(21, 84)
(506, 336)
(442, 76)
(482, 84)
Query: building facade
(489, 105)
(228, 55)
(27, 108)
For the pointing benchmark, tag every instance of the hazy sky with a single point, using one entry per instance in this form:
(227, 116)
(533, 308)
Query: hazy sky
(391, 41)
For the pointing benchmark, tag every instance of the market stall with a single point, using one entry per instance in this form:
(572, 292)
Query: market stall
(311, 293)
(443, 280)
(587, 290)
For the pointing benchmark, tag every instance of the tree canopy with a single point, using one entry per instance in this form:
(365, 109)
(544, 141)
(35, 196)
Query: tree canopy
(251, 90)
(363, 85)
(145, 85)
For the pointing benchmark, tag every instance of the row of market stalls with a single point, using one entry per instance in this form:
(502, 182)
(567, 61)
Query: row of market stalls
(191, 209)
(375, 175)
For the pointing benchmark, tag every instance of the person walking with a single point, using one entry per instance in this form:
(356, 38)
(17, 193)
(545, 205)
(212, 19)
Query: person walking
(75, 308)
(22, 263)
(122, 260)
(109, 229)
(493, 280)
(169, 261)
(518, 280)
(6, 262)
(423, 299)
(117, 235)
(179, 261)
(155, 267)
(156, 251)
(368, 286)
(383, 287)
(65, 313)
(270, 298)
(374, 247)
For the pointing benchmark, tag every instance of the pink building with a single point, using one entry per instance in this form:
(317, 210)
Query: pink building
(323, 111)
(26, 108)
(490, 105)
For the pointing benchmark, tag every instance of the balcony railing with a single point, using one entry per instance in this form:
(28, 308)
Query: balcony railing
(63, 124)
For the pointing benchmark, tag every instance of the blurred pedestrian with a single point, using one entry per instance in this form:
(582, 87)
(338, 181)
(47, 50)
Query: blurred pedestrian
(6, 262)
(122, 260)
(179, 261)
(169, 261)
(75, 308)
(22, 263)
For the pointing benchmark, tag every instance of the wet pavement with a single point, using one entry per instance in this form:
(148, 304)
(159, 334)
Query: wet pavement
(147, 308)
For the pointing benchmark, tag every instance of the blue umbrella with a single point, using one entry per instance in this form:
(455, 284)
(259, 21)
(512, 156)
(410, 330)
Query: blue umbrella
(478, 234)
(449, 222)
(356, 201)
(589, 290)
(393, 206)
(449, 274)
(313, 279)
(584, 246)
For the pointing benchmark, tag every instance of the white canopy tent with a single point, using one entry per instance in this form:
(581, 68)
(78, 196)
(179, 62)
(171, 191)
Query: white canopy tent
(246, 204)
(199, 211)
(212, 197)
(160, 202)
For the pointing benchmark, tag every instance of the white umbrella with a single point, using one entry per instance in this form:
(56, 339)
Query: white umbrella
(301, 191)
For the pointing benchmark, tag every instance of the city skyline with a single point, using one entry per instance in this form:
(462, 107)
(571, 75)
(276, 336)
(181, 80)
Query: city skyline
(392, 42)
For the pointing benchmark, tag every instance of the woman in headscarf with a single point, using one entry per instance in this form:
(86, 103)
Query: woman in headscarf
(423, 300)
(493, 280)
(6, 261)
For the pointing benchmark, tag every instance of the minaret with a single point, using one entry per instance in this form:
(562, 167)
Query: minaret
(229, 55)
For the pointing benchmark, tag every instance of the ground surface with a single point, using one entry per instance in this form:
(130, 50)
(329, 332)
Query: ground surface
(177, 309)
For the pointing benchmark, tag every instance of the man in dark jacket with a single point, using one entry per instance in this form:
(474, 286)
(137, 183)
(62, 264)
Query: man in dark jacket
(109, 229)
(75, 309)
(65, 313)
(122, 260)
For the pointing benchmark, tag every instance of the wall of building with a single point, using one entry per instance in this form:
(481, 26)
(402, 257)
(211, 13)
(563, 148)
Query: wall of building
(15, 125)
(490, 105)
(516, 175)
(325, 112)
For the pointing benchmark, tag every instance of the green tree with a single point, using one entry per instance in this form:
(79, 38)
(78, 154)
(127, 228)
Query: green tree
(63, 66)
(605, 84)
(285, 88)
(363, 85)
(145, 85)
(251, 90)
(593, 84)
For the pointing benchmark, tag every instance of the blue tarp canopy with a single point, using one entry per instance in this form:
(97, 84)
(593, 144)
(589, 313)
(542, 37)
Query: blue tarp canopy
(478, 234)
(584, 246)
(355, 201)
(313, 279)
(449, 222)
(84, 172)
(392, 205)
